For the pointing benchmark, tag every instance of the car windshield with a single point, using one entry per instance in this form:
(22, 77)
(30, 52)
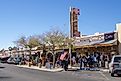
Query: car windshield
(117, 59)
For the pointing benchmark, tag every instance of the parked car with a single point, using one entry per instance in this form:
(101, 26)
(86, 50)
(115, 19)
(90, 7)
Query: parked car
(115, 65)
(4, 60)
(11, 60)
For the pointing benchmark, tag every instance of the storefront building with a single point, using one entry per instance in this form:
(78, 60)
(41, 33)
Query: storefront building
(104, 43)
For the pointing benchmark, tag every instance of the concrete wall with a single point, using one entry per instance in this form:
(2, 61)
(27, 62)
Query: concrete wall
(118, 29)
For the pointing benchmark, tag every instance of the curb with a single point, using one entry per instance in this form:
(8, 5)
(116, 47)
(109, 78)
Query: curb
(41, 69)
(61, 69)
(104, 70)
(93, 69)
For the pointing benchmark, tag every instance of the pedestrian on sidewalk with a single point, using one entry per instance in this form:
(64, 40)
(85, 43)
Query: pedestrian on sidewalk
(65, 58)
(37, 60)
(73, 60)
(106, 62)
(58, 63)
(81, 63)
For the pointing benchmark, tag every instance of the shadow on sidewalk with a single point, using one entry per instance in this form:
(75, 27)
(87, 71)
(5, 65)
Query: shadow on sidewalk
(2, 67)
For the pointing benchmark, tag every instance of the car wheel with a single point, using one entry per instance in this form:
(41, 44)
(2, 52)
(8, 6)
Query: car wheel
(112, 74)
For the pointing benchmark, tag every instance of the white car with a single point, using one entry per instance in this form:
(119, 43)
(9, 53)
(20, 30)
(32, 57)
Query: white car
(115, 65)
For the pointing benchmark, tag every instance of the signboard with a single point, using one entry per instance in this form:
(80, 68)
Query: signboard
(109, 36)
(74, 22)
(95, 39)
(89, 40)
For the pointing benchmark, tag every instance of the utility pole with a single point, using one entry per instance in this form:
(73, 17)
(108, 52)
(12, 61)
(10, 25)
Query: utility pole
(70, 29)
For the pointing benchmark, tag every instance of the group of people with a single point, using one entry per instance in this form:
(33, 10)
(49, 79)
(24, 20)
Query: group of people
(22, 59)
(95, 60)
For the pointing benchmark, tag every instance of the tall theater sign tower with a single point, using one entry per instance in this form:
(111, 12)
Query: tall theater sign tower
(74, 12)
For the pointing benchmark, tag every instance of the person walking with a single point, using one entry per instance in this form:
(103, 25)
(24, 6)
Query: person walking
(66, 62)
(73, 60)
(65, 58)
(81, 63)
(84, 62)
(106, 62)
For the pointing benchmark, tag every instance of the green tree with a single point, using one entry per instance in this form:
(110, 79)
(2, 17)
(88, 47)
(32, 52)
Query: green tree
(29, 42)
(54, 38)
(21, 42)
(15, 48)
(33, 41)
(69, 43)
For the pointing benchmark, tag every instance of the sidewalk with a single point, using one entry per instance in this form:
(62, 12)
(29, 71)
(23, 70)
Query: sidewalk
(60, 69)
(104, 70)
(41, 69)
(93, 69)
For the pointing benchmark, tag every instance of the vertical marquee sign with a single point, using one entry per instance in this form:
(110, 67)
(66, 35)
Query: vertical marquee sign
(74, 12)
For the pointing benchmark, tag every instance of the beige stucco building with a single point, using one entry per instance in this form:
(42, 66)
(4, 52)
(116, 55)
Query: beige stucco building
(107, 43)
(118, 29)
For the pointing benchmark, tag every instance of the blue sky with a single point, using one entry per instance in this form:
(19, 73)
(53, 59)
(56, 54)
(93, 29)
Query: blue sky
(29, 17)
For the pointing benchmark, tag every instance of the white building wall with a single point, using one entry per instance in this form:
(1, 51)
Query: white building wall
(118, 29)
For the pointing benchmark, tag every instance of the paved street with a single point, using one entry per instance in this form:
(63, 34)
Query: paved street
(13, 73)
(93, 76)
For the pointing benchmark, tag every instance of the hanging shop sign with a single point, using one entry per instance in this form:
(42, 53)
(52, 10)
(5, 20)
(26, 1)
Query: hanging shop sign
(89, 40)
(109, 36)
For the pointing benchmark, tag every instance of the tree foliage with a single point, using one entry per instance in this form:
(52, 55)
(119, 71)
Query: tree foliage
(21, 42)
(33, 41)
(10, 48)
(28, 42)
(54, 38)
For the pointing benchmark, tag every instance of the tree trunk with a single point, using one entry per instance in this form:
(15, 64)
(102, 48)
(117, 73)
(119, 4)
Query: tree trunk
(30, 58)
(53, 57)
(53, 60)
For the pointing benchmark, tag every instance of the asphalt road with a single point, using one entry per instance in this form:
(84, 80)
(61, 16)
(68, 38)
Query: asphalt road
(13, 73)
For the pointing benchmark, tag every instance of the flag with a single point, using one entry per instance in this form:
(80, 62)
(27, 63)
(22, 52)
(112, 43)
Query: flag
(76, 34)
(63, 56)
(76, 11)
